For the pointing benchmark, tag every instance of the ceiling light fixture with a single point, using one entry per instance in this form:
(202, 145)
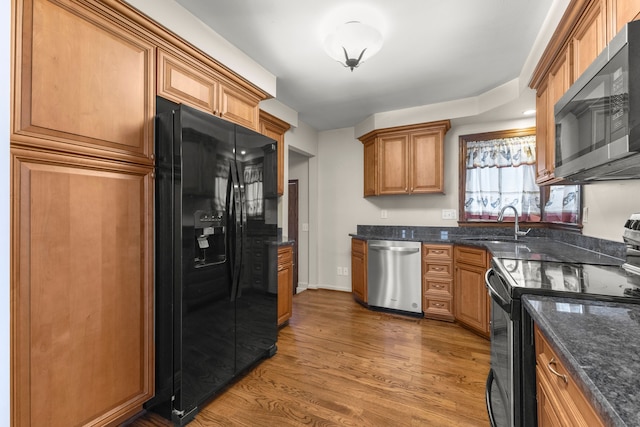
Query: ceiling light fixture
(352, 43)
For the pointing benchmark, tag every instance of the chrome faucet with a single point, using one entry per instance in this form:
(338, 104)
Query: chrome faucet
(516, 230)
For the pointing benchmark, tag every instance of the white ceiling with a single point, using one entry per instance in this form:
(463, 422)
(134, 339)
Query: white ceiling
(434, 50)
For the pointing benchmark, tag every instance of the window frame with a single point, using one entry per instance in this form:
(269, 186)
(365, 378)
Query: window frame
(544, 190)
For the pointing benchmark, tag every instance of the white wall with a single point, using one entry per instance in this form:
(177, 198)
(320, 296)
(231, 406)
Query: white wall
(609, 204)
(5, 60)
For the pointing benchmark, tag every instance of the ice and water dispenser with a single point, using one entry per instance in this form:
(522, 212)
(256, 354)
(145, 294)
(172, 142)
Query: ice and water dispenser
(209, 238)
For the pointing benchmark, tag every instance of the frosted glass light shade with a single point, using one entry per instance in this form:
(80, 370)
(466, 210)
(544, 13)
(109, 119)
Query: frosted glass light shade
(359, 41)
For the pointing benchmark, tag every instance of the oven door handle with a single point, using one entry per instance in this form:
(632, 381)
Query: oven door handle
(494, 294)
(487, 397)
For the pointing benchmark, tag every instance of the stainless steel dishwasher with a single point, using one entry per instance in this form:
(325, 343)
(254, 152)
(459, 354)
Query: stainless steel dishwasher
(394, 275)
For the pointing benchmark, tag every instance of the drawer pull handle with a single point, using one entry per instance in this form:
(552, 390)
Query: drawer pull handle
(438, 268)
(439, 305)
(438, 252)
(551, 365)
(438, 286)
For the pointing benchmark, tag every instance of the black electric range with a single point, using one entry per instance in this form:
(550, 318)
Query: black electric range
(578, 280)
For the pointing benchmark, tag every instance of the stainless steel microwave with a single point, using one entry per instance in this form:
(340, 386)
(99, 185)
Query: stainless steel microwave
(597, 121)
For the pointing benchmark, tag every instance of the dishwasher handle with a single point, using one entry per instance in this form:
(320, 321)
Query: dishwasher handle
(393, 248)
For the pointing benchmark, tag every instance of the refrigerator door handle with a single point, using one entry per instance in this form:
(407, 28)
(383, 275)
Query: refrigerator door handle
(238, 230)
(243, 219)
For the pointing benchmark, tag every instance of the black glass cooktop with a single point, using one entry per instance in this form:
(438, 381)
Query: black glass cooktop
(547, 277)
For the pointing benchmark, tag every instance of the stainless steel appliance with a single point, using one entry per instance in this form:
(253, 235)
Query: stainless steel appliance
(510, 388)
(215, 216)
(597, 135)
(394, 275)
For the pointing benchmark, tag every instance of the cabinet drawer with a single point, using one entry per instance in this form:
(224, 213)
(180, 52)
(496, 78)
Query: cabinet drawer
(550, 369)
(471, 256)
(443, 252)
(285, 256)
(438, 269)
(437, 308)
(438, 287)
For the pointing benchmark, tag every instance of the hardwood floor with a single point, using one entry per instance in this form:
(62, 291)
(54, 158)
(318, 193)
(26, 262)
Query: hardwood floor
(339, 364)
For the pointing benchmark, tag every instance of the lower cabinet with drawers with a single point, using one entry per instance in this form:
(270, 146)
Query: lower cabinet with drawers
(437, 282)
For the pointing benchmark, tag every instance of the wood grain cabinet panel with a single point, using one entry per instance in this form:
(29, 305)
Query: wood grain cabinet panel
(275, 128)
(562, 397)
(471, 297)
(83, 83)
(405, 159)
(359, 270)
(589, 38)
(622, 11)
(82, 290)
(437, 282)
(285, 284)
(185, 80)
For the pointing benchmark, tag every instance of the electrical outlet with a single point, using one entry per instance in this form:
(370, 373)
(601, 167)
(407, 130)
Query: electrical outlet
(305, 226)
(448, 214)
(383, 214)
(345, 271)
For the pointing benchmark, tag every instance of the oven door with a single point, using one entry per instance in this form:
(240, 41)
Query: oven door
(499, 388)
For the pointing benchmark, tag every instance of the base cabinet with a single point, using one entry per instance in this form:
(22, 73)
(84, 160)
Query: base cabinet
(285, 284)
(359, 270)
(82, 286)
(437, 282)
(471, 297)
(561, 402)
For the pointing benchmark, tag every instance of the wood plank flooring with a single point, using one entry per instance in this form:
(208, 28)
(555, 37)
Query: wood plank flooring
(339, 364)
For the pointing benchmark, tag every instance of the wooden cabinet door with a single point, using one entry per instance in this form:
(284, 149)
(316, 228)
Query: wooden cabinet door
(238, 106)
(426, 172)
(359, 269)
(83, 83)
(394, 157)
(370, 168)
(285, 284)
(275, 128)
(542, 129)
(557, 85)
(471, 298)
(82, 290)
(589, 38)
(623, 11)
(181, 80)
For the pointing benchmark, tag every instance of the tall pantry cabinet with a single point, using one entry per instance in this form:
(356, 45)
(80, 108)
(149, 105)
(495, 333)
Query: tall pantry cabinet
(85, 76)
(82, 220)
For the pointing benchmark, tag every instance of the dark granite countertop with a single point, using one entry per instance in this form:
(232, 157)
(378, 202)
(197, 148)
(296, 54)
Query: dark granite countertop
(600, 344)
(500, 246)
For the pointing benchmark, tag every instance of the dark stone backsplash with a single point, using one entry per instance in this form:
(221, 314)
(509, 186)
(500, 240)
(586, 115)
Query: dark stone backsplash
(455, 234)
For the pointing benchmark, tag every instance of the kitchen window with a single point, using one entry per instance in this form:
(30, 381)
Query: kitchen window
(498, 169)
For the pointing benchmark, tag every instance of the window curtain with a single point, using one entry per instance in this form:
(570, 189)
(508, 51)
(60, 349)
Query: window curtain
(253, 190)
(501, 172)
(563, 204)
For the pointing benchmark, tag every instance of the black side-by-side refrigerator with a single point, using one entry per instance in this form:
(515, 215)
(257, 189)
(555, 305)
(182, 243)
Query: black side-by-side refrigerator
(216, 297)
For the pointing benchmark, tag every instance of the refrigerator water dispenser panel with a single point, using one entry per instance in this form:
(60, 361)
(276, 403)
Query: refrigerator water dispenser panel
(209, 238)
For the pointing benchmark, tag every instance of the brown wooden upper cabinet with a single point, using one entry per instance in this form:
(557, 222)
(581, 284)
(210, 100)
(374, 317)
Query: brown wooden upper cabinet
(275, 128)
(405, 160)
(184, 79)
(582, 34)
(84, 83)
